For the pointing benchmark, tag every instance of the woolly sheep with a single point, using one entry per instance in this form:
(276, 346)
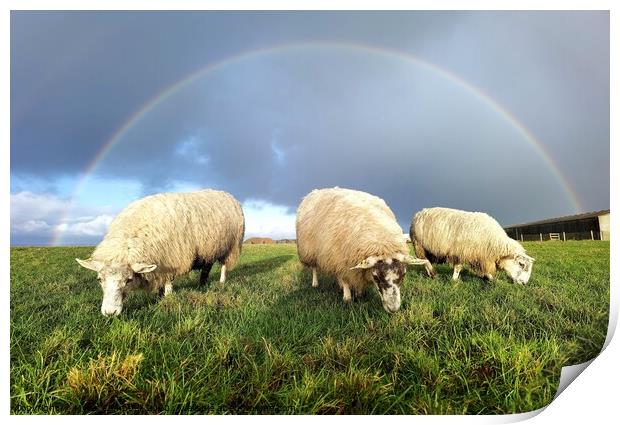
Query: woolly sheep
(160, 237)
(353, 236)
(473, 238)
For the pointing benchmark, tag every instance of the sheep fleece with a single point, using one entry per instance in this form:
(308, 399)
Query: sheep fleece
(173, 230)
(462, 237)
(338, 228)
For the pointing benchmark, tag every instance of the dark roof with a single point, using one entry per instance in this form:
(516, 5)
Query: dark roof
(561, 219)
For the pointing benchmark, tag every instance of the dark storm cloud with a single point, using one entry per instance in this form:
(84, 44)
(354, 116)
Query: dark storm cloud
(416, 138)
(275, 126)
(551, 68)
(76, 76)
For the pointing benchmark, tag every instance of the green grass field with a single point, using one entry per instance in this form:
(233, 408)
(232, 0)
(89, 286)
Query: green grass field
(266, 342)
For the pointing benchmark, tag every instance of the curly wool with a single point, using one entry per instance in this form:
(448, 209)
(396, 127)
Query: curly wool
(338, 228)
(175, 231)
(462, 237)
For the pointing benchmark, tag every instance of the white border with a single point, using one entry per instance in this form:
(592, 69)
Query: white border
(590, 399)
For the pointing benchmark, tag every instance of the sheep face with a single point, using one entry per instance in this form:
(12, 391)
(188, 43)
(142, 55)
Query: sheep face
(518, 268)
(116, 281)
(388, 277)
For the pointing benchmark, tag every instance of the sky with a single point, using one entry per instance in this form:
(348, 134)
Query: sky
(503, 112)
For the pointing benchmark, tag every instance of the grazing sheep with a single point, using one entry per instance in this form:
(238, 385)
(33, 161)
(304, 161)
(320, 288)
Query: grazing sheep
(354, 236)
(473, 238)
(160, 237)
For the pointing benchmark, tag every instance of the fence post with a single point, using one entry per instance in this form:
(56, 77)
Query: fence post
(521, 237)
(541, 237)
(592, 234)
(564, 234)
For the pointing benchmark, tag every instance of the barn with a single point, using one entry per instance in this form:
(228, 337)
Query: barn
(592, 225)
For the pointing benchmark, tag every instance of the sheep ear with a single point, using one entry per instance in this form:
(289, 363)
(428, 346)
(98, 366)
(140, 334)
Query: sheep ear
(414, 261)
(90, 264)
(143, 268)
(528, 257)
(366, 264)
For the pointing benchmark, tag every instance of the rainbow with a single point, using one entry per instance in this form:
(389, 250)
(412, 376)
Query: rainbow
(163, 95)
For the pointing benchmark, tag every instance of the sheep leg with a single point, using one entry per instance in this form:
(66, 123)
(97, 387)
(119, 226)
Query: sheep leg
(487, 270)
(165, 289)
(223, 274)
(457, 271)
(359, 293)
(346, 293)
(204, 273)
(429, 269)
(315, 279)
(421, 253)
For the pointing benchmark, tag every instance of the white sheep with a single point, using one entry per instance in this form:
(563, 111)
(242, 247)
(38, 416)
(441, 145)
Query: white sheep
(160, 237)
(472, 238)
(355, 237)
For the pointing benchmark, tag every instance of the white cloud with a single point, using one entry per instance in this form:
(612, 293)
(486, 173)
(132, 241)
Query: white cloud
(94, 227)
(30, 226)
(32, 213)
(40, 217)
(44, 217)
(27, 206)
(268, 220)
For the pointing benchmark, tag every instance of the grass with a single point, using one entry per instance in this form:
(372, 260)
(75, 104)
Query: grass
(266, 342)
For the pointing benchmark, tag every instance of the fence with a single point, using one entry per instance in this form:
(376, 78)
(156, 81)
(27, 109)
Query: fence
(564, 236)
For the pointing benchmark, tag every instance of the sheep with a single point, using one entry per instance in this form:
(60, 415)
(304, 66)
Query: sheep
(353, 236)
(160, 237)
(468, 238)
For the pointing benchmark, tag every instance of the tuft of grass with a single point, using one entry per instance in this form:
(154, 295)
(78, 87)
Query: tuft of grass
(267, 342)
(105, 381)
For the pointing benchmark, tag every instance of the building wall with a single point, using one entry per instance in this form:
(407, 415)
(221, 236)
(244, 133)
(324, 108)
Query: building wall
(596, 228)
(603, 223)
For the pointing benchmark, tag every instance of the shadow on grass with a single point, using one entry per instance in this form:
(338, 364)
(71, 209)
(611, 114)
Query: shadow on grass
(243, 270)
(142, 299)
(334, 357)
(323, 307)
(307, 345)
(444, 273)
(250, 269)
(370, 298)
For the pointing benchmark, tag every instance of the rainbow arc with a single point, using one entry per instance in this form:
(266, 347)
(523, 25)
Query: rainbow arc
(170, 90)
